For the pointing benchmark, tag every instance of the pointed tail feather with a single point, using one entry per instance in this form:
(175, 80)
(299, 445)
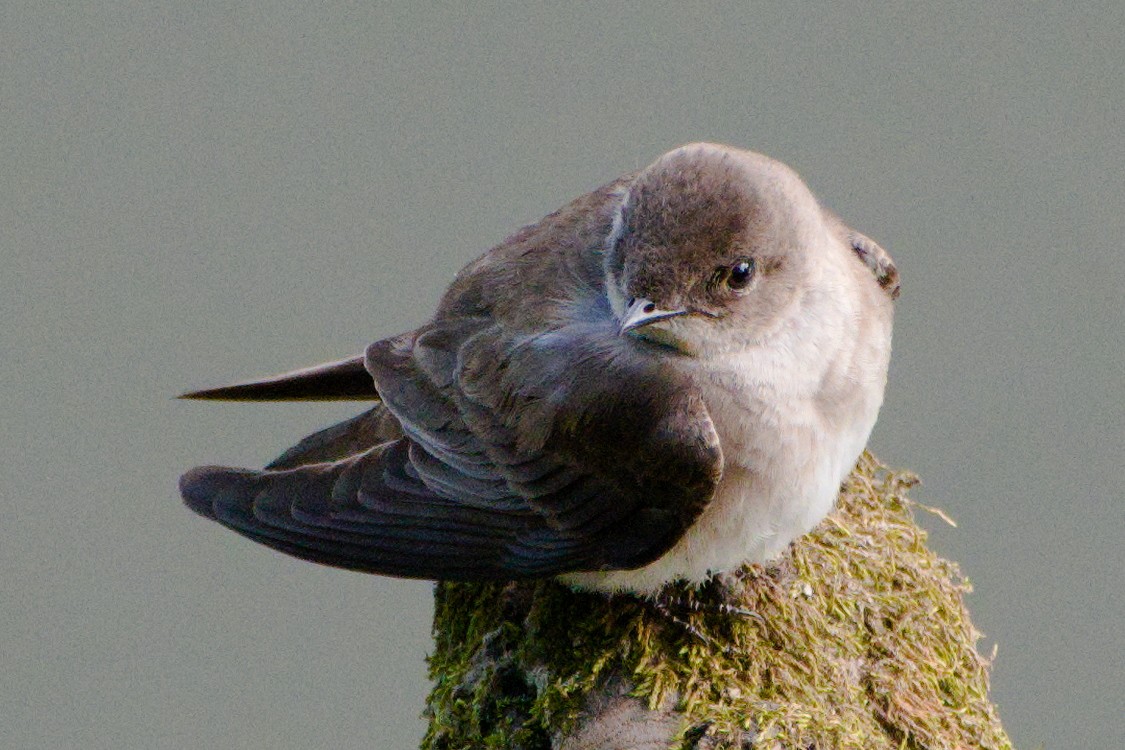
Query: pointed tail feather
(343, 380)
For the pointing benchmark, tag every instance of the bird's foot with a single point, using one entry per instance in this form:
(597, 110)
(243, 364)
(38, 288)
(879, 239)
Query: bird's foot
(717, 597)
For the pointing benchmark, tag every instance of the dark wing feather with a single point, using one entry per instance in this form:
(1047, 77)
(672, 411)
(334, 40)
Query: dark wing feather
(629, 433)
(344, 514)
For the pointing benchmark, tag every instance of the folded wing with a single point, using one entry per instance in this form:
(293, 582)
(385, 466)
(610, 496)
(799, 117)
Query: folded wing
(520, 456)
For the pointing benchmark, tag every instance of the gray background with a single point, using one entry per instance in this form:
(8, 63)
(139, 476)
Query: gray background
(193, 193)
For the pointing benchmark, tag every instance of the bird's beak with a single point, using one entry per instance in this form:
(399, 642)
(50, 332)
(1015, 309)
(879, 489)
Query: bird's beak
(641, 312)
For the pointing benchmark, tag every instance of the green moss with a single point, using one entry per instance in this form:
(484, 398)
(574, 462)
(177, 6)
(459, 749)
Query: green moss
(861, 640)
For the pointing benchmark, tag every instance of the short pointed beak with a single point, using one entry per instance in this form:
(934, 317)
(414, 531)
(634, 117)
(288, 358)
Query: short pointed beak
(641, 312)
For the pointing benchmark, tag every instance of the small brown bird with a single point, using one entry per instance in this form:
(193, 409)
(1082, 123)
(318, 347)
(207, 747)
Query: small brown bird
(664, 379)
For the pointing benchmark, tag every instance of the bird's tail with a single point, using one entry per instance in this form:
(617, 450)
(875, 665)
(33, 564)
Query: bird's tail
(342, 380)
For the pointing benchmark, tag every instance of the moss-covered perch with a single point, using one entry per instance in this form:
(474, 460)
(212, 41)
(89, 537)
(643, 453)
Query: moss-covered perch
(860, 639)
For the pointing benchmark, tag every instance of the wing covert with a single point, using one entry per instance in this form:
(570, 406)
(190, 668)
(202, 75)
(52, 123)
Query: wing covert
(612, 450)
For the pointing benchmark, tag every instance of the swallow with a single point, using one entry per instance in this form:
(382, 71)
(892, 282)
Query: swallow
(663, 380)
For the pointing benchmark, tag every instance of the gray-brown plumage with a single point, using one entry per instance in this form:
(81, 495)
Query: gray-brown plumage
(665, 378)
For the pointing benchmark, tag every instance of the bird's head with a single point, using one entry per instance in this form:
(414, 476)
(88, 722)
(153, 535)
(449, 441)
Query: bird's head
(712, 249)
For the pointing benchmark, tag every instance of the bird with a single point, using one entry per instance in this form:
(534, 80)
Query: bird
(665, 379)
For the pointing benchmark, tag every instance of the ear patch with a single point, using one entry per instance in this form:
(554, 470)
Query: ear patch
(878, 260)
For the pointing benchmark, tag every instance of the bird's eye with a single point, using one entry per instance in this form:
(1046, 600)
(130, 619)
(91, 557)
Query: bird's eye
(740, 274)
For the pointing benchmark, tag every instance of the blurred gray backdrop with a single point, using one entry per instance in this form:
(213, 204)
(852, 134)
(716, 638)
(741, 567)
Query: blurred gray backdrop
(199, 192)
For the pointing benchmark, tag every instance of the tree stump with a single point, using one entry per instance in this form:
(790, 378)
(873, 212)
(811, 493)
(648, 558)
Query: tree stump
(857, 637)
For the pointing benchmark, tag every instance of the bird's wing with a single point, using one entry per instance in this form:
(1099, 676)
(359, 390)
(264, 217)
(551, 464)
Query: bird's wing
(521, 456)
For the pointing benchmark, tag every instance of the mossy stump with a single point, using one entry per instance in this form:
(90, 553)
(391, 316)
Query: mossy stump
(858, 637)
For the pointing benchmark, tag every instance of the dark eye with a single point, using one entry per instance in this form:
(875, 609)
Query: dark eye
(740, 274)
